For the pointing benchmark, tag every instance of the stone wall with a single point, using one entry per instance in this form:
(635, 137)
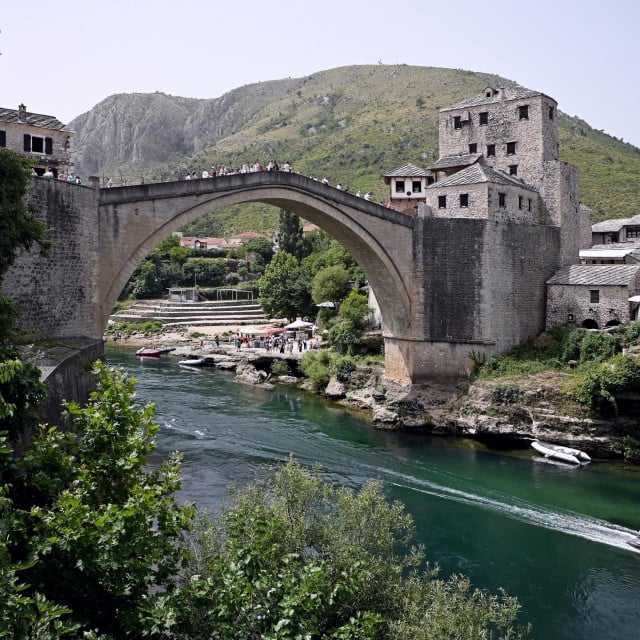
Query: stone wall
(571, 304)
(55, 292)
(485, 293)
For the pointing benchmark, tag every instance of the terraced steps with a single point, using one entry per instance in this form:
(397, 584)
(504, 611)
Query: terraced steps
(203, 313)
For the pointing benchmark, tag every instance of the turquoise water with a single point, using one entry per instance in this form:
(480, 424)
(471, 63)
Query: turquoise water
(554, 536)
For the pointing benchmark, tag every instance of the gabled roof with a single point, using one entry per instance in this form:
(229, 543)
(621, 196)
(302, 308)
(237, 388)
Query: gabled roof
(594, 275)
(32, 119)
(615, 224)
(406, 171)
(478, 173)
(461, 160)
(500, 95)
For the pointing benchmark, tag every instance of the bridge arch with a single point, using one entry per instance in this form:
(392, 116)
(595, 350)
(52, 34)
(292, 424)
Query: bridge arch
(138, 218)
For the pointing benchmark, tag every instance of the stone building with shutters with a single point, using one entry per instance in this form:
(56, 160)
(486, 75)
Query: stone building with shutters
(42, 138)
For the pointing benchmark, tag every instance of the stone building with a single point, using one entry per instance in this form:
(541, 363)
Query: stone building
(617, 230)
(407, 187)
(499, 160)
(42, 138)
(593, 296)
(618, 253)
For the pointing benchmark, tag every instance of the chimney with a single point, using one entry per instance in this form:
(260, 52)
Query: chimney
(22, 112)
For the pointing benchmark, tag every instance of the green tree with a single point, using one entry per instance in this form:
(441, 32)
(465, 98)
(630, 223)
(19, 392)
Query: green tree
(290, 236)
(285, 288)
(295, 557)
(96, 528)
(355, 308)
(330, 284)
(19, 225)
(261, 249)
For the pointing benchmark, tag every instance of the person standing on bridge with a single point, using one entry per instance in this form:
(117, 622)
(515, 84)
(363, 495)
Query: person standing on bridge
(286, 167)
(367, 196)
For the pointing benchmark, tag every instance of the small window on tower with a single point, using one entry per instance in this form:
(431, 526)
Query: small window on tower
(511, 148)
(550, 113)
(523, 112)
(464, 200)
(513, 169)
(520, 201)
(442, 202)
(484, 117)
(473, 147)
(502, 200)
(457, 122)
(491, 150)
(529, 204)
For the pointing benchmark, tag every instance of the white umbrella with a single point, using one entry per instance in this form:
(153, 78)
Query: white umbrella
(299, 324)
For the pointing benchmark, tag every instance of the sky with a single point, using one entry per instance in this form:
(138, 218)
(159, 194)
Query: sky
(62, 60)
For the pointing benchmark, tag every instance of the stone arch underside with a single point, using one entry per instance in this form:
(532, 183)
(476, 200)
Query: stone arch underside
(366, 237)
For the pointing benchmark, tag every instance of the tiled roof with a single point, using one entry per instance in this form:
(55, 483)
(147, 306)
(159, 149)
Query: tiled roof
(508, 93)
(630, 246)
(615, 224)
(478, 173)
(596, 275)
(32, 119)
(461, 160)
(406, 171)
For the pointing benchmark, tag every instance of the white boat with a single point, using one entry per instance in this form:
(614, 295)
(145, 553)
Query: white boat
(558, 452)
(193, 362)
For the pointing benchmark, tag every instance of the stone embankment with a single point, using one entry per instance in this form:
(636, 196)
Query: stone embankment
(544, 411)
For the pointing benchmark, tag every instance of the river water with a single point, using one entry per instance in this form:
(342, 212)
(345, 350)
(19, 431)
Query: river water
(554, 536)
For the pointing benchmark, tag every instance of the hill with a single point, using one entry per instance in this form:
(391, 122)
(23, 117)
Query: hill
(351, 124)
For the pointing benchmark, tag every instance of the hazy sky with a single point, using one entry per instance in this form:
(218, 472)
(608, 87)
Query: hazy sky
(62, 59)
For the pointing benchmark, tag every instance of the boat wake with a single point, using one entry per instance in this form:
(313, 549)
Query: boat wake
(564, 521)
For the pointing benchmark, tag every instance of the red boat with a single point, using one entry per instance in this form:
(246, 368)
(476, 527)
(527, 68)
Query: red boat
(148, 353)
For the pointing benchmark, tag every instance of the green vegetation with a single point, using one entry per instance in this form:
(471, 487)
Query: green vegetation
(597, 372)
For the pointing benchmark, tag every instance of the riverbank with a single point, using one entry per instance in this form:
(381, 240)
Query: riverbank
(542, 410)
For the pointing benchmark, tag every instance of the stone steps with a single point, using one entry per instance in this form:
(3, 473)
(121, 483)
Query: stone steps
(208, 313)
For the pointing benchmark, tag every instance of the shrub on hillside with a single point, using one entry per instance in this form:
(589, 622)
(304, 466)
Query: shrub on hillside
(315, 365)
(598, 388)
(598, 347)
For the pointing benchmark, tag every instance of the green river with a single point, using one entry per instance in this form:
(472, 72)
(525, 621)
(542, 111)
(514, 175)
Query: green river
(552, 535)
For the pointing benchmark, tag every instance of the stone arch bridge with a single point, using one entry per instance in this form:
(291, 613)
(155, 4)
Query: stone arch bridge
(448, 289)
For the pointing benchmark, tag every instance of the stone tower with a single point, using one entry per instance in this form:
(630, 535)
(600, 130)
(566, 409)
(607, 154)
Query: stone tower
(510, 136)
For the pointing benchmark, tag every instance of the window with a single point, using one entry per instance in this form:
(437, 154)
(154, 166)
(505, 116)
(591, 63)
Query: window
(473, 148)
(513, 169)
(442, 202)
(484, 117)
(511, 148)
(416, 186)
(491, 150)
(464, 200)
(3, 138)
(38, 144)
(520, 201)
(523, 112)
(594, 295)
(399, 186)
(457, 122)
(502, 200)
(633, 232)
(550, 113)
(529, 204)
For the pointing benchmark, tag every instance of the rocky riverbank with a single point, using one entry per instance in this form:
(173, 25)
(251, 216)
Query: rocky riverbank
(542, 410)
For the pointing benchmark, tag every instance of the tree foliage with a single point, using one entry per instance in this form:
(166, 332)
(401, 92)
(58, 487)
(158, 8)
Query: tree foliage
(90, 528)
(295, 557)
(330, 284)
(19, 224)
(285, 288)
(290, 236)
